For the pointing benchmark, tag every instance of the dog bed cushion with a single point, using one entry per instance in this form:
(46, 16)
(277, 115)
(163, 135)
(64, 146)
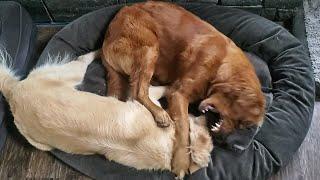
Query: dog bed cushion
(17, 37)
(284, 70)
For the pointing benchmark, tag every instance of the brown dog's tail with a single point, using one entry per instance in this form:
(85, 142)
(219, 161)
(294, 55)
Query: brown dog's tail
(8, 79)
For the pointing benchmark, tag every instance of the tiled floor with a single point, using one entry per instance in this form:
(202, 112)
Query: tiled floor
(18, 160)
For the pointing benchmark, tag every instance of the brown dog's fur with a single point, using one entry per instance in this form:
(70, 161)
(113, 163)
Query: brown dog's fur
(157, 42)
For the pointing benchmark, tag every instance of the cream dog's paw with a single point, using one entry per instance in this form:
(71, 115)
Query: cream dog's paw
(200, 150)
(200, 146)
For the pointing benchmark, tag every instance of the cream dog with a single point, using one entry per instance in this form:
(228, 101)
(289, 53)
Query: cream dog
(50, 113)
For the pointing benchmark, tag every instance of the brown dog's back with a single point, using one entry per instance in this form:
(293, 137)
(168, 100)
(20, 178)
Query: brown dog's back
(175, 30)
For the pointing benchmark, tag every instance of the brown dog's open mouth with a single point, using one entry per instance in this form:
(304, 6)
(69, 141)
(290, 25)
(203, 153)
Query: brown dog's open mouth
(207, 107)
(212, 115)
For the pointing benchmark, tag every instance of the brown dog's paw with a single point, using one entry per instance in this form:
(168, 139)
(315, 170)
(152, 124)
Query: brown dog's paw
(162, 119)
(180, 162)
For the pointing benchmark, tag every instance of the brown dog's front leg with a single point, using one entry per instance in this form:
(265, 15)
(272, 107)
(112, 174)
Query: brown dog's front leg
(178, 110)
(140, 78)
(117, 84)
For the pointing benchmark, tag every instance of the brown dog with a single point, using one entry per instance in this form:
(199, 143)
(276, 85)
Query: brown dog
(158, 42)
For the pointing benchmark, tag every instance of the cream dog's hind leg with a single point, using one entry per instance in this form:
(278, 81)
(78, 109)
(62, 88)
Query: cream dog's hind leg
(74, 71)
(70, 73)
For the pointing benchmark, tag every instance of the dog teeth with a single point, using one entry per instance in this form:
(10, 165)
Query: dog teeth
(214, 129)
(203, 111)
(218, 125)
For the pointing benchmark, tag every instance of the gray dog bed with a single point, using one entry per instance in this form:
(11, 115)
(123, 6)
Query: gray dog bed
(17, 39)
(283, 67)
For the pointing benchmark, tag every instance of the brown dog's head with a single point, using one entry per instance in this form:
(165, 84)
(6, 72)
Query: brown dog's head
(239, 105)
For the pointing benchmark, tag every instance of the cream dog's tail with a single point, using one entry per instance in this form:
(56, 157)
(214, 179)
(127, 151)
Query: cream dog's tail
(8, 79)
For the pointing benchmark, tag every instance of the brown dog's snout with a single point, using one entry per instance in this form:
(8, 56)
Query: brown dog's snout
(206, 106)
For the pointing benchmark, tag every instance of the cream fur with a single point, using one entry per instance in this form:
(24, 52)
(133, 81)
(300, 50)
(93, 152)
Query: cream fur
(50, 113)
